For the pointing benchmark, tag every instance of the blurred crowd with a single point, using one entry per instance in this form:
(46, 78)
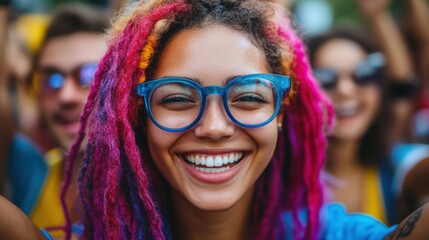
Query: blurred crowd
(376, 76)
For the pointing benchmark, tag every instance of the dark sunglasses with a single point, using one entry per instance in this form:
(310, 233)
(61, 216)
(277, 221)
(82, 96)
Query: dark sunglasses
(50, 78)
(369, 71)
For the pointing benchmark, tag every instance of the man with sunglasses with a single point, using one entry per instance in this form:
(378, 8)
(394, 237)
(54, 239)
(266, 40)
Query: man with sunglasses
(63, 72)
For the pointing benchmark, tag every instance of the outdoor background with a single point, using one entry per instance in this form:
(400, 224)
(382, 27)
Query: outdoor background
(341, 10)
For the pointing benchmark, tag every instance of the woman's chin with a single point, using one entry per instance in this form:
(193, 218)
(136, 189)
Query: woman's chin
(213, 202)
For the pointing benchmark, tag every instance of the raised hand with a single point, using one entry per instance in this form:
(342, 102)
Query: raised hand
(373, 7)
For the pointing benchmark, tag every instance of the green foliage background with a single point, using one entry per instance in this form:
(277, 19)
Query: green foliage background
(346, 11)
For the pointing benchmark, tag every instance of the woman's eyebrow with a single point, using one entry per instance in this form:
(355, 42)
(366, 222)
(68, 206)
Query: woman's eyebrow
(197, 80)
(230, 78)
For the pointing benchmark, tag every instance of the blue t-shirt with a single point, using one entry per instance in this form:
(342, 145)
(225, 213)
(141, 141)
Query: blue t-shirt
(27, 171)
(337, 224)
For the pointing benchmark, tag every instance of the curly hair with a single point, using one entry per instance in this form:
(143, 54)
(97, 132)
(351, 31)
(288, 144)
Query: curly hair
(118, 179)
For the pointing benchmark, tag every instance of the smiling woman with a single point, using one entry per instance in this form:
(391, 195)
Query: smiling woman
(205, 119)
(355, 77)
(216, 135)
(204, 122)
(243, 162)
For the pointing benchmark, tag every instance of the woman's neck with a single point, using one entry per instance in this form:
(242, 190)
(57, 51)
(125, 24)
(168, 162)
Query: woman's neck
(343, 156)
(190, 223)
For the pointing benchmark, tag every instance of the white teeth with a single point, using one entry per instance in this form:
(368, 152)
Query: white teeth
(209, 162)
(231, 158)
(346, 112)
(218, 161)
(214, 162)
(225, 160)
(213, 170)
(347, 109)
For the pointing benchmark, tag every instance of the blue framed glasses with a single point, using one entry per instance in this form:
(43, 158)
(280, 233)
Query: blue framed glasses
(176, 104)
(52, 79)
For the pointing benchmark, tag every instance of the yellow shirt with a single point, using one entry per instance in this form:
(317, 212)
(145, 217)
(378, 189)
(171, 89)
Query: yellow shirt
(47, 211)
(373, 195)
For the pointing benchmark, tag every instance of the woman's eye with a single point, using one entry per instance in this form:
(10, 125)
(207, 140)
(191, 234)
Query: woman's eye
(249, 99)
(176, 99)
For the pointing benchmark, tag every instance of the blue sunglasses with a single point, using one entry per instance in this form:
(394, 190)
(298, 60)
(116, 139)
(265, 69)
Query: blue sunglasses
(52, 79)
(176, 104)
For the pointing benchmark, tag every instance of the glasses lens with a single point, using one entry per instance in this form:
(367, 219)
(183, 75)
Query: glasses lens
(326, 77)
(365, 73)
(53, 81)
(87, 74)
(175, 104)
(252, 101)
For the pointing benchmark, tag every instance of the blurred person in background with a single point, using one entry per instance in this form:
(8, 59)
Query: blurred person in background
(15, 67)
(63, 71)
(402, 82)
(408, 81)
(6, 126)
(356, 148)
(411, 179)
(24, 37)
(416, 31)
(372, 97)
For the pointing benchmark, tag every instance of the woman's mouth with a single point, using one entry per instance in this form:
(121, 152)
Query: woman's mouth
(213, 163)
(347, 110)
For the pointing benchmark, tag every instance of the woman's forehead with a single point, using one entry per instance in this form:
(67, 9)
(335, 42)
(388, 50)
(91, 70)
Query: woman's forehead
(210, 51)
(330, 53)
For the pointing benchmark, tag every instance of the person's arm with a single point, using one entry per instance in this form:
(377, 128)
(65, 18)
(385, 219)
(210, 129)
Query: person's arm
(419, 18)
(6, 126)
(14, 224)
(391, 42)
(400, 73)
(414, 227)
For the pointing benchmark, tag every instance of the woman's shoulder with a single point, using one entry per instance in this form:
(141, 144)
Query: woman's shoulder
(336, 223)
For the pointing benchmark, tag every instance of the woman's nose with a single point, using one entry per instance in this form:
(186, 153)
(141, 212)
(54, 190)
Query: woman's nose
(346, 86)
(215, 124)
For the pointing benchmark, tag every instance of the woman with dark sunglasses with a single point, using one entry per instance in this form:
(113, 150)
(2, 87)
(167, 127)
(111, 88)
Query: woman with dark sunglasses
(371, 96)
(342, 63)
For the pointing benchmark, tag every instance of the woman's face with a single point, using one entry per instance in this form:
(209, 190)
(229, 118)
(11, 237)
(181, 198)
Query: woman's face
(355, 105)
(212, 55)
